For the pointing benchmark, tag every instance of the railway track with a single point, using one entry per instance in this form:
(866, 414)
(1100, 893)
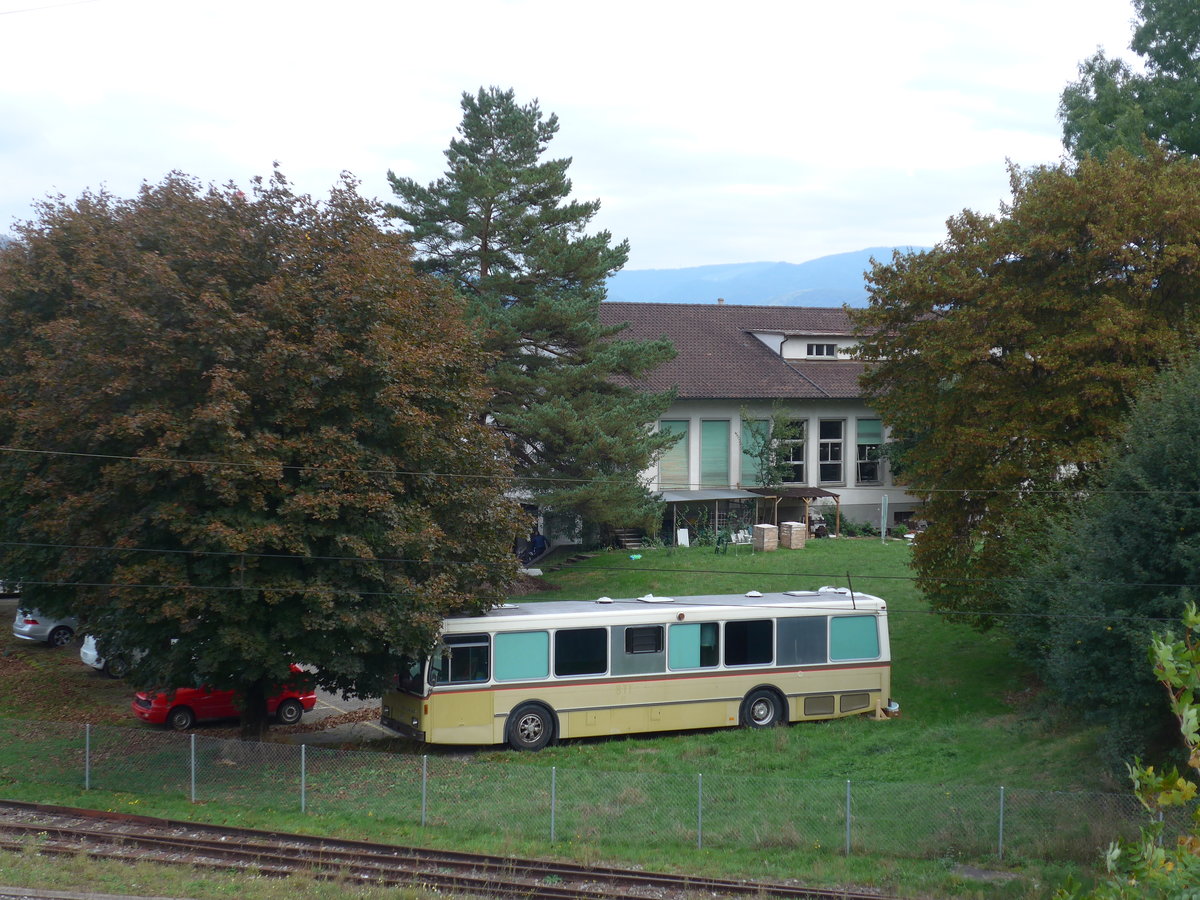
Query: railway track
(106, 835)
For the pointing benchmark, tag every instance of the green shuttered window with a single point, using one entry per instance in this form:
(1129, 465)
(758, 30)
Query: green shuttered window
(714, 453)
(673, 467)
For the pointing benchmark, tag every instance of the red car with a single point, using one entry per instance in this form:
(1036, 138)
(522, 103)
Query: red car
(184, 707)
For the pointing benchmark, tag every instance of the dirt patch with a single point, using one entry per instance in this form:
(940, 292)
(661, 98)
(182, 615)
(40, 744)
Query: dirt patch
(530, 584)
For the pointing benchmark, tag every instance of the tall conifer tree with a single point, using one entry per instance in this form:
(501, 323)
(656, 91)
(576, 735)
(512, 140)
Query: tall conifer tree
(501, 227)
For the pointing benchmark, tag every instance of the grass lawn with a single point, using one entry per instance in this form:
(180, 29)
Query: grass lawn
(969, 715)
(970, 724)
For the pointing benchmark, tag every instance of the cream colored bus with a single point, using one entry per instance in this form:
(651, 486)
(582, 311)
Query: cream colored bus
(528, 674)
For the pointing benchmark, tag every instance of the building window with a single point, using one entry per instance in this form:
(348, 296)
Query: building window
(870, 440)
(673, 466)
(829, 350)
(755, 440)
(714, 453)
(792, 451)
(831, 445)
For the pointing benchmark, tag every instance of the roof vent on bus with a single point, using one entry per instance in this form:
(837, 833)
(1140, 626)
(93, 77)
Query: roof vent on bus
(829, 588)
(753, 593)
(604, 599)
(800, 593)
(650, 598)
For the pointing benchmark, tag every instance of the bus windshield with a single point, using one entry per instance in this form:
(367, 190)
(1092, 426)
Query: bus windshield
(411, 676)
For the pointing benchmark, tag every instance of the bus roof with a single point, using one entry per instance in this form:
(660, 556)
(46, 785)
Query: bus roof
(651, 608)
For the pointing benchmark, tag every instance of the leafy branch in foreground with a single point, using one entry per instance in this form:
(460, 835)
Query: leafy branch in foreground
(1151, 866)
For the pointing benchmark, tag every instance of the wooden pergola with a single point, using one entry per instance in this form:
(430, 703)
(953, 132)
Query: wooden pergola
(806, 494)
(712, 499)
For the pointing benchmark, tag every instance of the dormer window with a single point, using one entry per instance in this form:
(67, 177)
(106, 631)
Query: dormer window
(829, 350)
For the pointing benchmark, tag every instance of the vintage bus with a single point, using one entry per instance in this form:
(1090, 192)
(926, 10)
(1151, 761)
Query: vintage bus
(531, 673)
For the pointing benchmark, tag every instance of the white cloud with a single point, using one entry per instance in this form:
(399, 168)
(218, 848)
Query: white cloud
(710, 132)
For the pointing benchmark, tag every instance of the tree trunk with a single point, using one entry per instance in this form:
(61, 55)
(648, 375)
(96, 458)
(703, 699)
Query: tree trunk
(254, 713)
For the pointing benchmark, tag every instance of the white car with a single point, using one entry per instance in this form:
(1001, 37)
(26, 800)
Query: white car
(117, 667)
(31, 625)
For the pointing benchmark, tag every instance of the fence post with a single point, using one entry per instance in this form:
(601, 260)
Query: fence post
(193, 767)
(424, 785)
(87, 757)
(847, 816)
(1000, 851)
(553, 798)
(303, 781)
(699, 810)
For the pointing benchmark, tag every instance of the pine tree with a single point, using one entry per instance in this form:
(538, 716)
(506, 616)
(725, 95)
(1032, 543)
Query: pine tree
(501, 227)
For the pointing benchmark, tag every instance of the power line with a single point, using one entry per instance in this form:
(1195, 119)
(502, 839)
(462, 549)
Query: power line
(527, 479)
(304, 557)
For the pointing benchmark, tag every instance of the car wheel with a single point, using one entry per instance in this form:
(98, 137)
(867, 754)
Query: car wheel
(289, 712)
(761, 710)
(60, 636)
(530, 727)
(116, 668)
(181, 718)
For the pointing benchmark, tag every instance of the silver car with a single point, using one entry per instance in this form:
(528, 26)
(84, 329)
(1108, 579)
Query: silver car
(31, 625)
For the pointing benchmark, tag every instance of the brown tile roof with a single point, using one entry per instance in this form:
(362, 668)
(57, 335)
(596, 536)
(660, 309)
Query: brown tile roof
(719, 358)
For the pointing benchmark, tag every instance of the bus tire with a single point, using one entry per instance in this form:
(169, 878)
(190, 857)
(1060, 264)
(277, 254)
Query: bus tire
(530, 727)
(761, 709)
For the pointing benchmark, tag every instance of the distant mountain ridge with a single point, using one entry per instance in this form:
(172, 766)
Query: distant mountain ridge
(826, 281)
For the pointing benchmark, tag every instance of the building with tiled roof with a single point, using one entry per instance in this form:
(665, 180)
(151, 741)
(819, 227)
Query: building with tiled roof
(733, 361)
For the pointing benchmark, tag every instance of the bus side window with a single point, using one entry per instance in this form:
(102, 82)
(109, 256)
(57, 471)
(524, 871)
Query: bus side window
(581, 651)
(749, 642)
(465, 657)
(853, 637)
(694, 646)
(522, 655)
(801, 640)
(638, 650)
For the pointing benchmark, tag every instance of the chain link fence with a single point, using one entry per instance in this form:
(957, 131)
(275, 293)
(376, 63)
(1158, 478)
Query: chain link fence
(472, 797)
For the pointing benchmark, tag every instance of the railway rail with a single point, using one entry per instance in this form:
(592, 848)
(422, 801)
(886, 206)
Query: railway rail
(108, 835)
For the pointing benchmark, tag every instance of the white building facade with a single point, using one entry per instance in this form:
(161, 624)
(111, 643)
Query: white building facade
(740, 367)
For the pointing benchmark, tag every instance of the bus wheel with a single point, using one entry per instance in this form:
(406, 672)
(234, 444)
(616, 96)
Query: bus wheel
(530, 727)
(760, 709)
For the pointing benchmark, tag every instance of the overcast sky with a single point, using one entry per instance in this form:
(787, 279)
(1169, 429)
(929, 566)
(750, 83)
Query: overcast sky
(711, 132)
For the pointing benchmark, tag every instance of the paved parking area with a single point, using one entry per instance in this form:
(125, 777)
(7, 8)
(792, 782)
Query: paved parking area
(351, 721)
(347, 721)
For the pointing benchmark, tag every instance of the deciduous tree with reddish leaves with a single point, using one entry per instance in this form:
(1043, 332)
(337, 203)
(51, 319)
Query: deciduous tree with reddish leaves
(239, 431)
(1005, 359)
